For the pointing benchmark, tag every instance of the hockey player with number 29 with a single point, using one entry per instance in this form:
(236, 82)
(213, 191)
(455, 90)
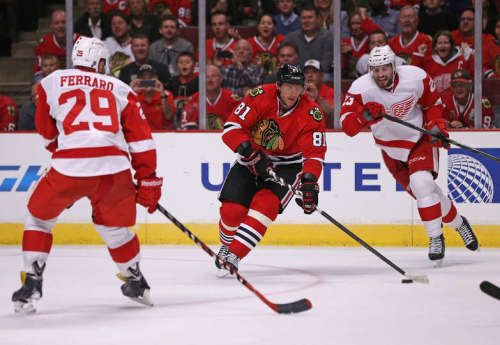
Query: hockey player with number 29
(408, 93)
(276, 127)
(95, 130)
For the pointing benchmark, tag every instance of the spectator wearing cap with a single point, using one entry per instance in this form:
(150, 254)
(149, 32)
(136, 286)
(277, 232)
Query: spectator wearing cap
(242, 75)
(166, 49)
(376, 38)
(156, 102)
(143, 22)
(459, 104)
(93, 23)
(286, 20)
(140, 49)
(220, 103)
(119, 44)
(312, 41)
(317, 90)
(26, 121)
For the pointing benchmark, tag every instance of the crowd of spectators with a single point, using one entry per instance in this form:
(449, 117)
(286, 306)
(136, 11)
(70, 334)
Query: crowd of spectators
(150, 53)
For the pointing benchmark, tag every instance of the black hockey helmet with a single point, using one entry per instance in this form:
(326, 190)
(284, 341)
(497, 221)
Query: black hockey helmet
(292, 74)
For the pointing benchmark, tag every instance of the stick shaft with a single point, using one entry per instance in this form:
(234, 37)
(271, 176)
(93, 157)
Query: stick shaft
(451, 141)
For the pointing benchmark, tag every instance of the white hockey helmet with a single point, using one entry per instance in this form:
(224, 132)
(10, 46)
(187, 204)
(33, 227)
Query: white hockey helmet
(380, 56)
(88, 52)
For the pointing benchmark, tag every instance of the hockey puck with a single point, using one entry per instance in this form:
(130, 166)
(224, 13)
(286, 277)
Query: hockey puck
(406, 281)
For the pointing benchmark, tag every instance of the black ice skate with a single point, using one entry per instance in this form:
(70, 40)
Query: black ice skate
(467, 234)
(219, 260)
(136, 288)
(25, 298)
(436, 249)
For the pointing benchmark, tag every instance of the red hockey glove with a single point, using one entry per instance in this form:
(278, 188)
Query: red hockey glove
(438, 128)
(310, 191)
(258, 163)
(373, 112)
(149, 192)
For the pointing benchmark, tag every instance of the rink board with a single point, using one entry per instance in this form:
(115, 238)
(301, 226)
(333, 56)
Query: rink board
(356, 189)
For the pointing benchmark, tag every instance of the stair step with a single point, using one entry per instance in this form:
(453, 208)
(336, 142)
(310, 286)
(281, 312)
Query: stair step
(16, 69)
(19, 92)
(24, 49)
(33, 35)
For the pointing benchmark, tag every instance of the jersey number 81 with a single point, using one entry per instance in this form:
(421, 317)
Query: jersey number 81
(319, 139)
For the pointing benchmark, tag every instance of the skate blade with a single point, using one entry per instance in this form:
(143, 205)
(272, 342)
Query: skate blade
(24, 308)
(144, 300)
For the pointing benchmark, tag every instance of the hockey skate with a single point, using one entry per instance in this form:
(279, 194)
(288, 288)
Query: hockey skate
(467, 234)
(25, 298)
(136, 288)
(436, 250)
(219, 260)
(227, 265)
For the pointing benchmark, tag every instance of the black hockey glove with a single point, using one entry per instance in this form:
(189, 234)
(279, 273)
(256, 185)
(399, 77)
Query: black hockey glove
(256, 161)
(310, 191)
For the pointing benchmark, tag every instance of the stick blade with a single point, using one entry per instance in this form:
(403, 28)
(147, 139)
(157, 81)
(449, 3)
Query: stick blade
(418, 279)
(294, 307)
(490, 289)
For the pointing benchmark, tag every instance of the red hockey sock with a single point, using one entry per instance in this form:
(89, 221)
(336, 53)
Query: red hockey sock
(125, 252)
(231, 216)
(263, 211)
(37, 241)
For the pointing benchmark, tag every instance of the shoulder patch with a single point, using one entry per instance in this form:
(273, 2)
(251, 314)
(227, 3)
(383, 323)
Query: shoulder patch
(316, 114)
(486, 103)
(236, 97)
(257, 91)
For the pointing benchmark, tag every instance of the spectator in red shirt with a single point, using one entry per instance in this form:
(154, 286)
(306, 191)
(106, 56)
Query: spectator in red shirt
(459, 104)
(115, 6)
(410, 43)
(222, 40)
(182, 9)
(446, 59)
(265, 44)
(464, 35)
(317, 90)
(357, 45)
(156, 102)
(220, 103)
(9, 114)
(491, 55)
(53, 43)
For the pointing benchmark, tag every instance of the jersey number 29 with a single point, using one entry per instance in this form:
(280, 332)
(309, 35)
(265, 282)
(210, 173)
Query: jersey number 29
(70, 123)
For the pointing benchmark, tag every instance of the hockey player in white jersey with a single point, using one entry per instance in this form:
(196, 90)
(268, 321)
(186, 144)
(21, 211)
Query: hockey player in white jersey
(96, 131)
(408, 93)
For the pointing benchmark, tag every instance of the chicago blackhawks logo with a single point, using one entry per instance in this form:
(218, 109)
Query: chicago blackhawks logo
(400, 109)
(257, 91)
(214, 121)
(268, 135)
(316, 114)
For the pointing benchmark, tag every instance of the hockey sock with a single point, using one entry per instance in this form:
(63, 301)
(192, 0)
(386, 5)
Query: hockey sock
(428, 202)
(231, 216)
(123, 245)
(450, 214)
(37, 240)
(263, 211)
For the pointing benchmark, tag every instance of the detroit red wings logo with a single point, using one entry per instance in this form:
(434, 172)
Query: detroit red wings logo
(402, 108)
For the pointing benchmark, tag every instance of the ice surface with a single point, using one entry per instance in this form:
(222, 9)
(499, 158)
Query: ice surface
(357, 299)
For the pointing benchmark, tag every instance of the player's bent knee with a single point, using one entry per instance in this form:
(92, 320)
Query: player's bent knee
(232, 213)
(422, 184)
(266, 203)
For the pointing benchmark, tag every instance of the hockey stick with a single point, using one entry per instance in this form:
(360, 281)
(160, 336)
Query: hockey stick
(408, 278)
(490, 289)
(284, 308)
(441, 137)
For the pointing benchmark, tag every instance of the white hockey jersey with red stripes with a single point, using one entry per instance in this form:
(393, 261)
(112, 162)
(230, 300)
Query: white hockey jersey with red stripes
(413, 93)
(93, 125)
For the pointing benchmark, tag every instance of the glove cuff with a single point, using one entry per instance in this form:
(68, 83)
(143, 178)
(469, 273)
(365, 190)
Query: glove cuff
(308, 177)
(245, 149)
